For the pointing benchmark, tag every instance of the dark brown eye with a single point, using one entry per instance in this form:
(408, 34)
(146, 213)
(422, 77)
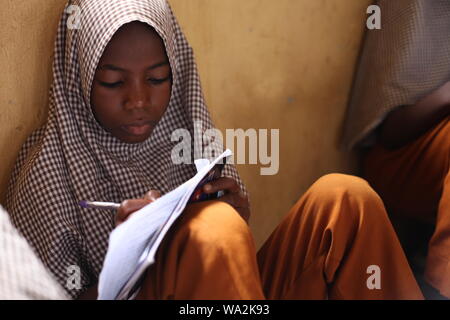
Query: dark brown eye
(158, 81)
(111, 85)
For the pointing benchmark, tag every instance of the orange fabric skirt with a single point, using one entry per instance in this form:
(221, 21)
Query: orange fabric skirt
(336, 243)
(414, 183)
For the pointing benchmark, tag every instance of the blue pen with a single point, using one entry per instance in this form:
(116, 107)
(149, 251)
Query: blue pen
(99, 205)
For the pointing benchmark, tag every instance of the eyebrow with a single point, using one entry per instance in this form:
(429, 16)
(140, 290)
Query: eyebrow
(116, 68)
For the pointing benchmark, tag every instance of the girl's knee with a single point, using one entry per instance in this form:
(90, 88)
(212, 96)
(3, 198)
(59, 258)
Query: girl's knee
(341, 196)
(334, 186)
(214, 222)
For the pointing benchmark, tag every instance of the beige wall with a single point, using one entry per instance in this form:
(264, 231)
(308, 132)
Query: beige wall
(27, 33)
(285, 64)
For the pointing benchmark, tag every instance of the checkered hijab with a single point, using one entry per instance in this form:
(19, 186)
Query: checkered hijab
(73, 158)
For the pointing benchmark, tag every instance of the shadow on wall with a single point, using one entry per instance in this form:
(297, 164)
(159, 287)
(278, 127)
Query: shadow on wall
(28, 33)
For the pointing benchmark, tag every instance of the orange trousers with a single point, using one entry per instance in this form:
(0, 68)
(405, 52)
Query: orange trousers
(325, 248)
(414, 183)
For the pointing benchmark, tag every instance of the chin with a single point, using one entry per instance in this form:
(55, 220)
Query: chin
(129, 138)
(135, 140)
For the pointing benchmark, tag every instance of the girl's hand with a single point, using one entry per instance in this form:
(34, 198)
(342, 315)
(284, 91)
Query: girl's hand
(128, 207)
(233, 195)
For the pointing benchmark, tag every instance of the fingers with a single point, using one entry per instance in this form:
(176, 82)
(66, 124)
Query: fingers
(234, 196)
(152, 195)
(128, 207)
(224, 183)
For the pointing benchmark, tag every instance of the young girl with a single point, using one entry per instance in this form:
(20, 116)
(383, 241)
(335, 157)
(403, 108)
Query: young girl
(123, 82)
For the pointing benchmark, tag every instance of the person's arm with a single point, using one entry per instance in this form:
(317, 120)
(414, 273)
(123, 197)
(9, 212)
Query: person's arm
(409, 122)
(234, 196)
(126, 209)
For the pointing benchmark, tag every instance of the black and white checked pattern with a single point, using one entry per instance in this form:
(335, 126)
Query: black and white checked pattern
(22, 274)
(400, 64)
(73, 158)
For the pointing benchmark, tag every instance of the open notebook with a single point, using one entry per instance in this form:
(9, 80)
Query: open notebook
(133, 245)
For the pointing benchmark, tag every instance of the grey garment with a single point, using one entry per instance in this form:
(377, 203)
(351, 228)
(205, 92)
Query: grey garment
(22, 274)
(400, 64)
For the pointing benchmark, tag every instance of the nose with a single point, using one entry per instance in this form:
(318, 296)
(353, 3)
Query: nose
(137, 97)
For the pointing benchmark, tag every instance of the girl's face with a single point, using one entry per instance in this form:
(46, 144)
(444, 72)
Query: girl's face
(132, 84)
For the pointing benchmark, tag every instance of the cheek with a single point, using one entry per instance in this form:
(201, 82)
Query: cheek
(102, 103)
(162, 99)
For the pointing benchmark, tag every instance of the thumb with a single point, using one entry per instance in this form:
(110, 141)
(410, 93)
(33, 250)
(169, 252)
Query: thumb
(152, 195)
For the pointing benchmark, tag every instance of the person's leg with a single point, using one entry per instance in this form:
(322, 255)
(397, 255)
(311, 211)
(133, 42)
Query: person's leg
(330, 243)
(410, 179)
(208, 254)
(322, 249)
(411, 183)
(437, 271)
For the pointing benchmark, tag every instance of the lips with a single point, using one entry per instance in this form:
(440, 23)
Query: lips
(138, 128)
